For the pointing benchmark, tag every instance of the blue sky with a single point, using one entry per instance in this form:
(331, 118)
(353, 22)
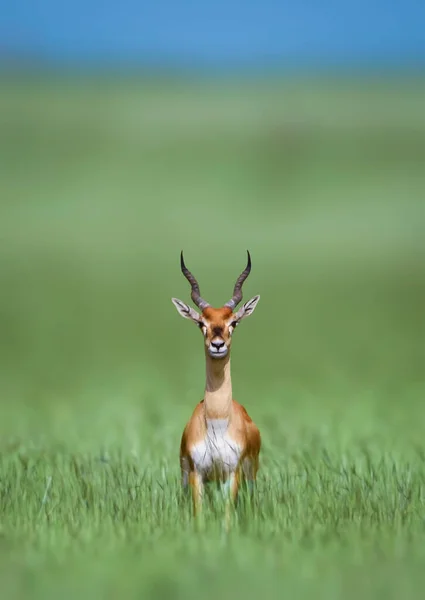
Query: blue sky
(216, 32)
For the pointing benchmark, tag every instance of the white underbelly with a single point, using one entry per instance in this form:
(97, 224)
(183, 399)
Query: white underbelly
(217, 454)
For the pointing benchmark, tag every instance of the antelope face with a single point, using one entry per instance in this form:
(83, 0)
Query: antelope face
(217, 324)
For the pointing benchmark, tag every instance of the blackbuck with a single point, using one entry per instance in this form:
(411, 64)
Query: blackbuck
(220, 442)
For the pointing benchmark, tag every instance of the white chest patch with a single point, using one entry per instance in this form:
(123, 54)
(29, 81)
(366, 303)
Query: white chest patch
(217, 452)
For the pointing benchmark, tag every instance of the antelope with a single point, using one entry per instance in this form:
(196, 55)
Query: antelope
(220, 442)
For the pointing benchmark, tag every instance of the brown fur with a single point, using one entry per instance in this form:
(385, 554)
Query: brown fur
(242, 430)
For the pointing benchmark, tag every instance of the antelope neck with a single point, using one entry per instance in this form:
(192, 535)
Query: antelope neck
(218, 388)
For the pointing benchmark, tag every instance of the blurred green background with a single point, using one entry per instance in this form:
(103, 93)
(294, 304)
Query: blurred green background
(102, 183)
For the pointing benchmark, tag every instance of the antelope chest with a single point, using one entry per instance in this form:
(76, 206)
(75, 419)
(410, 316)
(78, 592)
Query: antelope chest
(217, 453)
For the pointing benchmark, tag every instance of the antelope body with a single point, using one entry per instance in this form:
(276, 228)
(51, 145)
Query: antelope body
(220, 442)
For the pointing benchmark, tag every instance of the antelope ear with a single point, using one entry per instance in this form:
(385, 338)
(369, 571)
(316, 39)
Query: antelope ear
(185, 311)
(247, 309)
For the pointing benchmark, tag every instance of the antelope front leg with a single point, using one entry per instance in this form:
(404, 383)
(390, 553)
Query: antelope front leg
(197, 488)
(233, 487)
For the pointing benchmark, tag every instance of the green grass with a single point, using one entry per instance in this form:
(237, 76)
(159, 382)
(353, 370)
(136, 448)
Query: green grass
(101, 185)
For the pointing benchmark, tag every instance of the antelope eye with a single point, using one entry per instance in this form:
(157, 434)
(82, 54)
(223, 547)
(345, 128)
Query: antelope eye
(201, 325)
(233, 324)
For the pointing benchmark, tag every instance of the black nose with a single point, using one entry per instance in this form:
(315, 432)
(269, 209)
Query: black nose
(217, 345)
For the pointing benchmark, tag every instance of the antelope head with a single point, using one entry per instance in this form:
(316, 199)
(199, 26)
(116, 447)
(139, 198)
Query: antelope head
(217, 324)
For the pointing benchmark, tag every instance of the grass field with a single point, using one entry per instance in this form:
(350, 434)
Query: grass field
(101, 185)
